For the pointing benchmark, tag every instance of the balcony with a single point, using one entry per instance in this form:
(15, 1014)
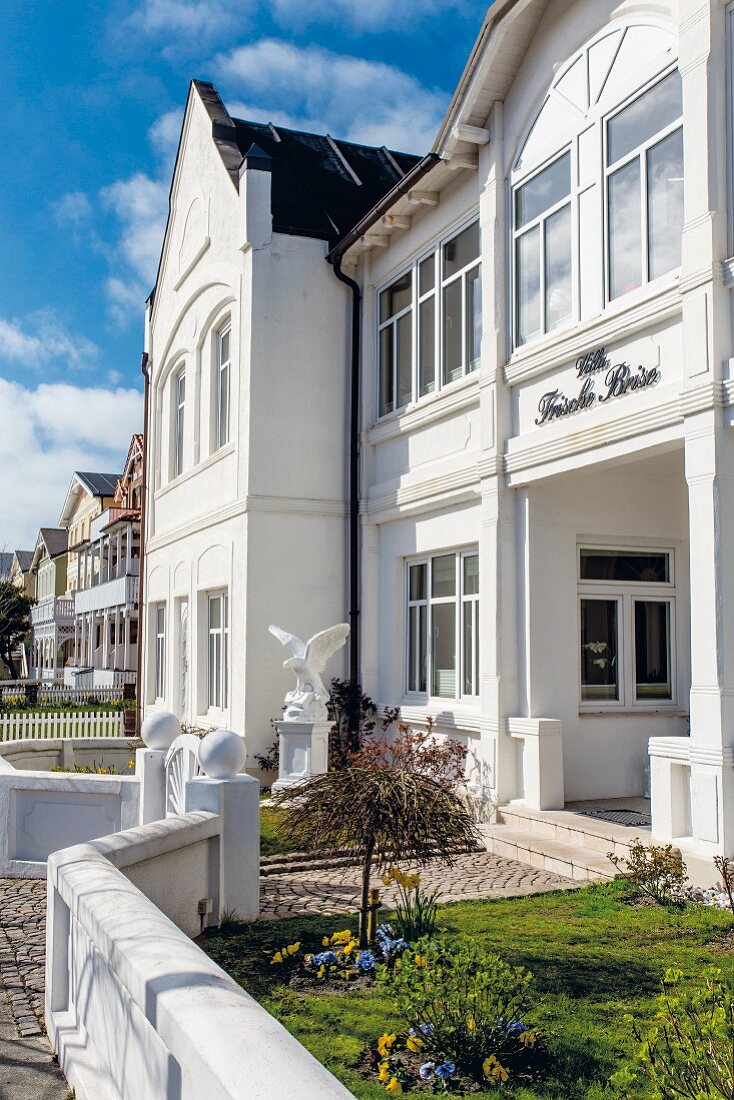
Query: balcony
(56, 609)
(119, 592)
(110, 515)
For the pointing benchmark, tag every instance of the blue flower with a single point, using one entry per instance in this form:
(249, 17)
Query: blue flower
(427, 1071)
(444, 1070)
(365, 961)
(516, 1027)
(426, 1029)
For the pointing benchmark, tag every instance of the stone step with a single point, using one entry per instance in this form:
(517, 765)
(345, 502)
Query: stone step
(600, 837)
(574, 861)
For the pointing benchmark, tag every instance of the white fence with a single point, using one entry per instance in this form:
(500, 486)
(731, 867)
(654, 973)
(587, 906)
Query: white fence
(24, 724)
(54, 691)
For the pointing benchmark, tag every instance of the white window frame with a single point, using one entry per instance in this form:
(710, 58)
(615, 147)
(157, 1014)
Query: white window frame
(392, 323)
(160, 653)
(436, 250)
(217, 692)
(223, 387)
(596, 119)
(179, 420)
(459, 600)
(626, 594)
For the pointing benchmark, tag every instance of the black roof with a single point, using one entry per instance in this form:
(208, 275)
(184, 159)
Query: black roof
(56, 539)
(25, 558)
(6, 561)
(99, 485)
(321, 186)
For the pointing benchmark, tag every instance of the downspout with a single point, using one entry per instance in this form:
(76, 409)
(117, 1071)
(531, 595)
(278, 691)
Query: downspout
(355, 374)
(141, 579)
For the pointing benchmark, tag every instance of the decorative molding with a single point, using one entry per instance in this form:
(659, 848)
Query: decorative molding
(423, 198)
(397, 221)
(475, 135)
(306, 506)
(428, 410)
(182, 478)
(711, 273)
(562, 349)
(461, 486)
(192, 263)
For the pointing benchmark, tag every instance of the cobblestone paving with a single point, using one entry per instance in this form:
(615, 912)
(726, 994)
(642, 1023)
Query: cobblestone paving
(474, 876)
(23, 950)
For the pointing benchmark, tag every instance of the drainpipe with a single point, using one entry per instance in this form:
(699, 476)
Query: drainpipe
(144, 360)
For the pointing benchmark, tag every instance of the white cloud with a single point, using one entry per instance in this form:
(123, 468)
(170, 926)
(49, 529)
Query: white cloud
(45, 434)
(127, 299)
(369, 15)
(73, 209)
(163, 136)
(140, 204)
(41, 339)
(188, 23)
(355, 99)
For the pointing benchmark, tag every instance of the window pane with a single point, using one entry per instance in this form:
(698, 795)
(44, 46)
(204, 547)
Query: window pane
(412, 649)
(461, 250)
(468, 686)
(665, 204)
(427, 274)
(405, 359)
(427, 343)
(644, 118)
(599, 667)
(624, 566)
(443, 576)
(625, 230)
(471, 575)
(386, 370)
(215, 613)
(543, 191)
(224, 347)
(443, 679)
(558, 268)
(417, 582)
(474, 317)
(452, 353)
(423, 648)
(652, 650)
(528, 285)
(397, 296)
(223, 423)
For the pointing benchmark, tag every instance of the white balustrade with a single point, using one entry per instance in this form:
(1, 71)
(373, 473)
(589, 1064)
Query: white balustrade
(22, 725)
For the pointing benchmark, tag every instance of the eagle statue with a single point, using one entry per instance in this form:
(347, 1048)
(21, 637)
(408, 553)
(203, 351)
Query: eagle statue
(307, 702)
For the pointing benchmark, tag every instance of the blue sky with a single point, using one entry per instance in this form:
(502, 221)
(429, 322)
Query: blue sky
(89, 126)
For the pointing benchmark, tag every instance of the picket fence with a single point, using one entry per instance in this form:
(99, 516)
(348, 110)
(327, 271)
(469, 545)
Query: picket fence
(24, 725)
(46, 692)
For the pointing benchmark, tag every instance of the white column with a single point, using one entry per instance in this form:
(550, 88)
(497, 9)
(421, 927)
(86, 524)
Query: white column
(106, 639)
(116, 662)
(76, 640)
(126, 665)
(128, 548)
(118, 556)
(83, 639)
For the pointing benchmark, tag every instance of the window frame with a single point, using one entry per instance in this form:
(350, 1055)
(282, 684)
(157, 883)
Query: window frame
(435, 250)
(459, 600)
(221, 439)
(627, 594)
(217, 694)
(179, 420)
(159, 677)
(392, 323)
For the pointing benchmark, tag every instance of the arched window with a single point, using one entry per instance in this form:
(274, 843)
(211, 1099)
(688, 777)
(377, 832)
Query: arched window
(221, 385)
(179, 410)
(597, 189)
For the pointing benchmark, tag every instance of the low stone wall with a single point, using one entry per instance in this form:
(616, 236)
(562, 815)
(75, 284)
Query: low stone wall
(134, 1009)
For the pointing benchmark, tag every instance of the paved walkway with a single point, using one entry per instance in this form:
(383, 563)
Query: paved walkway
(336, 890)
(27, 1069)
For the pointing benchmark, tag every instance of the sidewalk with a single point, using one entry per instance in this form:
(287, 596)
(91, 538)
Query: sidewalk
(27, 1070)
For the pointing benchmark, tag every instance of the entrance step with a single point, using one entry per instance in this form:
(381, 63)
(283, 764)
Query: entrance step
(548, 854)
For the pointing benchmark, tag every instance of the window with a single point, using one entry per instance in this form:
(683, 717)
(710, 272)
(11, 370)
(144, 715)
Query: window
(627, 607)
(222, 384)
(645, 187)
(597, 189)
(178, 432)
(218, 652)
(160, 653)
(443, 626)
(437, 304)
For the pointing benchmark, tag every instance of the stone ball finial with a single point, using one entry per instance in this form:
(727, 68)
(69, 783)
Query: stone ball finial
(160, 730)
(222, 754)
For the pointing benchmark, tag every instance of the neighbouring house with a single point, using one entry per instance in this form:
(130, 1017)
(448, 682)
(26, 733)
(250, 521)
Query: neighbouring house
(21, 573)
(52, 616)
(102, 512)
(545, 358)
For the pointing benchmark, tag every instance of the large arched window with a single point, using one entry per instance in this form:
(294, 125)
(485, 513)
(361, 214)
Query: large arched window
(597, 190)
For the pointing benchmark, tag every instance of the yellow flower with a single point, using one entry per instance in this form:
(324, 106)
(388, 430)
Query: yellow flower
(277, 958)
(325, 941)
(384, 1043)
(414, 1044)
(471, 1024)
(493, 1070)
(293, 947)
(527, 1038)
(350, 947)
(384, 1074)
(321, 971)
(394, 1086)
(386, 880)
(420, 960)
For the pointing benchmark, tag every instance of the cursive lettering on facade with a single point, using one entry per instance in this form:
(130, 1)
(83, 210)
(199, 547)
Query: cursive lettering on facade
(619, 379)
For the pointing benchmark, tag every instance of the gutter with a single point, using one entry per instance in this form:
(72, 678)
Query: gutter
(335, 258)
(144, 360)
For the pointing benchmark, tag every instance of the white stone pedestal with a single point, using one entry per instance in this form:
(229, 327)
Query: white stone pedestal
(304, 751)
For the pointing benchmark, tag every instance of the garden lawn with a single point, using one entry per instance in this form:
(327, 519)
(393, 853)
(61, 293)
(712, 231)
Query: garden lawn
(595, 957)
(274, 840)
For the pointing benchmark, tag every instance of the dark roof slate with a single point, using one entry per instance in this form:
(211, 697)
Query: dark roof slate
(6, 561)
(56, 539)
(25, 558)
(99, 485)
(321, 186)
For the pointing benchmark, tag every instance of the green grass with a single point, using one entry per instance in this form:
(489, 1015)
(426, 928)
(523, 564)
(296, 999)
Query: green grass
(274, 841)
(594, 957)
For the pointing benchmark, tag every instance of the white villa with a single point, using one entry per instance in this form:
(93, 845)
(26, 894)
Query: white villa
(480, 403)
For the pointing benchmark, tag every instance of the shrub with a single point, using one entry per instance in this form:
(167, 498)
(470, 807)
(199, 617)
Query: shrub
(656, 872)
(269, 759)
(689, 1049)
(465, 1005)
(416, 908)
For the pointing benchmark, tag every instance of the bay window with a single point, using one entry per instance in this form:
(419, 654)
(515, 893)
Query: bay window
(442, 657)
(218, 651)
(597, 188)
(626, 628)
(430, 322)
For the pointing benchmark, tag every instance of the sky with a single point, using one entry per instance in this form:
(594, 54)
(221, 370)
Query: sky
(94, 95)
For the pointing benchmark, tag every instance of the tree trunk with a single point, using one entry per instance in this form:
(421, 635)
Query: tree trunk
(365, 907)
(8, 658)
